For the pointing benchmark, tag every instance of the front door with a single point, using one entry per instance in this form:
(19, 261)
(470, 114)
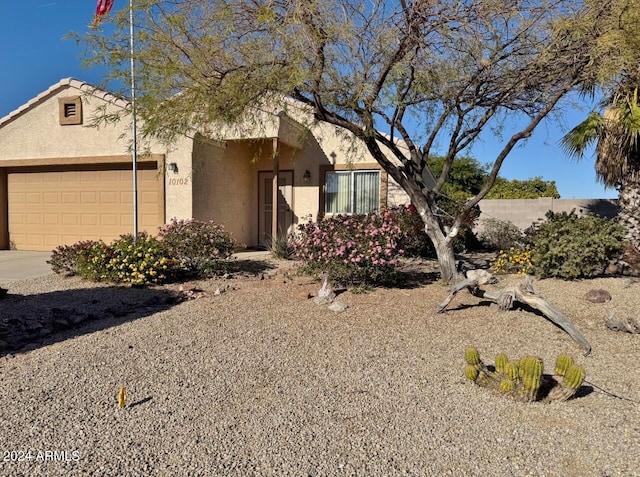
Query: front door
(285, 202)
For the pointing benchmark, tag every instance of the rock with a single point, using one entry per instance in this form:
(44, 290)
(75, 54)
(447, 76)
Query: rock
(326, 291)
(628, 325)
(598, 296)
(193, 293)
(613, 269)
(338, 306)
(481, 276)
(322, 300)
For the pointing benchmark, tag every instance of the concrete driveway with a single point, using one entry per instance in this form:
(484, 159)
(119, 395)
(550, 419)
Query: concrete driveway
(22, 264)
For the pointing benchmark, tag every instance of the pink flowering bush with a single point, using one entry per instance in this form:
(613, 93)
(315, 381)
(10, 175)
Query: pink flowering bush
(353, 249)
(201, 248)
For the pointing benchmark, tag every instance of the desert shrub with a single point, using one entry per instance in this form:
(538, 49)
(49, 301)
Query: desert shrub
(201, 248)
(64, 259)
(514, 260)
(93, 262)
(145, 260)
(280, 247)
(413, 239)
(353, 249)
(500, 234)
(568, 246)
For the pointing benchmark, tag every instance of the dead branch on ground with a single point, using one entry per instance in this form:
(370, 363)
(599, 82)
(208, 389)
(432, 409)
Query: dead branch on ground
(507, 297)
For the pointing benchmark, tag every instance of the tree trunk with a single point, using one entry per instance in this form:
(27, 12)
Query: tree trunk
(629, 215)
(442, 243)
(447, 261)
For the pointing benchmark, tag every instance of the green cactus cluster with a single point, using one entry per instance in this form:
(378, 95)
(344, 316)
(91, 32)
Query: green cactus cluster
(524, 380)
(563, 362)
(501, 362)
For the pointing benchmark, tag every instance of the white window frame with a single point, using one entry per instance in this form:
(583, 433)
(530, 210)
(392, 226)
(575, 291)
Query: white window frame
(352, 174)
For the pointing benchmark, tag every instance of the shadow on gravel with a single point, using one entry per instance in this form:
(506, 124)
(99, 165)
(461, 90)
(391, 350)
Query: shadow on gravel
(250, 267)
(140, 402)
(416, 279)
(583, 391)
(416, 272)
(30, 321)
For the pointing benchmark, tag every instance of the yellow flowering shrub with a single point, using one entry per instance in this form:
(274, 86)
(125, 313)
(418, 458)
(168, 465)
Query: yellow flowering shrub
(515, 260)
(145, 261)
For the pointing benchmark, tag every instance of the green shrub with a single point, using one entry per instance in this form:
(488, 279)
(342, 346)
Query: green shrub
(568, 246)
(64, 259)
(201, 248)
(354, 249)
(500, 235)
(145, 260)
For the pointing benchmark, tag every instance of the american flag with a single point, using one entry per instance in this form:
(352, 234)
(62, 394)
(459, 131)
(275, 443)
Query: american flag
(102, 8)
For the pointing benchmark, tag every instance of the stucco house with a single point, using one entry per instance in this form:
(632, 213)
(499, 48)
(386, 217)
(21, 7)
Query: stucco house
(62, 181)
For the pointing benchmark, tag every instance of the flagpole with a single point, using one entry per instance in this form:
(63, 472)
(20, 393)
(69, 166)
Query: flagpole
(134, 145)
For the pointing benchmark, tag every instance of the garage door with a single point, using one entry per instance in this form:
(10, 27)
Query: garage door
(50, 208)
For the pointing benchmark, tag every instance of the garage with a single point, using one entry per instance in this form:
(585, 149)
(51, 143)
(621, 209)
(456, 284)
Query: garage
(59, 205)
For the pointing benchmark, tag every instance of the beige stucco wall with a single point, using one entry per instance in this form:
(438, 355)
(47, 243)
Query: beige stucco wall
(36, 133)
(217, 181)
(524, 212)
(223, 186)
(179, 186)
(322, 146)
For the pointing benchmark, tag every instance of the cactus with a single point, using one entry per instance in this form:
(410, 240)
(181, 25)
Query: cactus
(501, 362)
(483, 376)
(471, 372)
(524, 380)
(122, 396)
(531, 374)
(563, 362)
(507, 386)
(574, 377)
(472, 356)
(511, 371)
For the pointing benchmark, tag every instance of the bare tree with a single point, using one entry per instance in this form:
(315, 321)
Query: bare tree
(430, 74)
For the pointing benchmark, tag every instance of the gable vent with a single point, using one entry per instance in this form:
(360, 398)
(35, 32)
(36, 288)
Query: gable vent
(70, 110)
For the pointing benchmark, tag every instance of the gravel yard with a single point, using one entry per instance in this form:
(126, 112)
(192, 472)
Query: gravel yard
(260, 381)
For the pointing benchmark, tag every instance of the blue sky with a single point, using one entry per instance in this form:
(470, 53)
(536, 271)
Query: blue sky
(34, 56)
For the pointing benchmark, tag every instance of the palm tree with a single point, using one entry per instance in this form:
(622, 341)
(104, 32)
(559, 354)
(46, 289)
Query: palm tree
(616, 134)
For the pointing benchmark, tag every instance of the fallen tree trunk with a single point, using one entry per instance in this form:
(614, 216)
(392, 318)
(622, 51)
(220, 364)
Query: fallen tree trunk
(522, 293)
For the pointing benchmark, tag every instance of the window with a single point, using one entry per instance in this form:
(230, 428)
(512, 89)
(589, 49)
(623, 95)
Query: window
(352, 192)
(70, 110)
